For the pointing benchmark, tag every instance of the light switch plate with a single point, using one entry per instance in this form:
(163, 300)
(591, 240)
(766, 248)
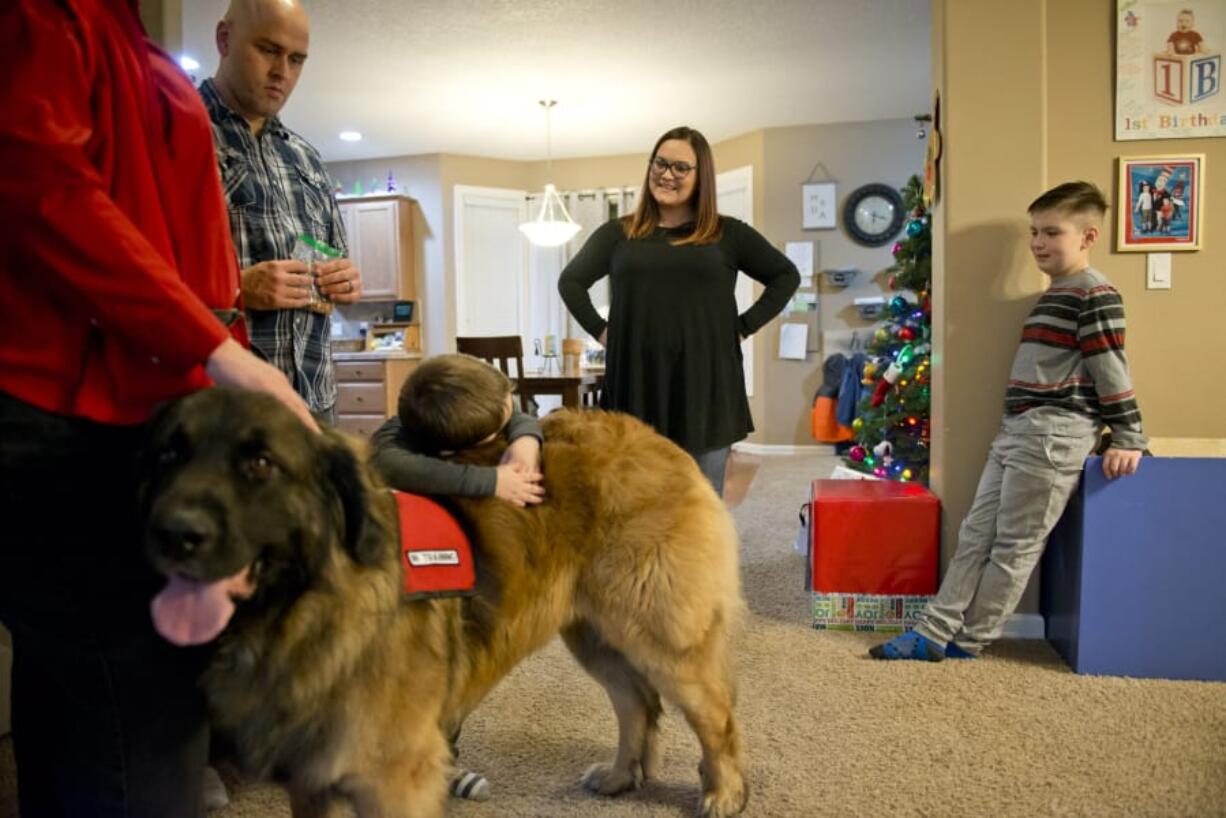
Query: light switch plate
(1158, 271)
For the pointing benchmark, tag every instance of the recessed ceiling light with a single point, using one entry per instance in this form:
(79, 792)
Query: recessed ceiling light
(187, 63)
(351, 136)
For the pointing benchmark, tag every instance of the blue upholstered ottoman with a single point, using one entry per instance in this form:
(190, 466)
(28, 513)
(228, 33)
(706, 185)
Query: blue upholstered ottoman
(1134, 577)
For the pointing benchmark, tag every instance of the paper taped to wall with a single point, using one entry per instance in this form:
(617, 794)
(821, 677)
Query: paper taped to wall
(792, 341)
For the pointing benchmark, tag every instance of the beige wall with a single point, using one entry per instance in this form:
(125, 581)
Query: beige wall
(853, 154)
(163, 21)
(1030, 112)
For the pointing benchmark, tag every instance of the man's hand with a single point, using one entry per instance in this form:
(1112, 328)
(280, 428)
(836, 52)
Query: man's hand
(519, 485)
(1121, 462)
(276, 285)
(339, 280)
(231, 365)
(526, 451)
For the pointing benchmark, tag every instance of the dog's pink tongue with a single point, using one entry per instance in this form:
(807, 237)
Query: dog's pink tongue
(187, 612)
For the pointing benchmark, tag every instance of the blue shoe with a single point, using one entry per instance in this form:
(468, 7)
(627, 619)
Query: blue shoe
(952, 651)
(909, 645)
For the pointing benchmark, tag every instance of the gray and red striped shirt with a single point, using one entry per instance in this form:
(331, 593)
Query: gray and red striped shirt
(1072, 357)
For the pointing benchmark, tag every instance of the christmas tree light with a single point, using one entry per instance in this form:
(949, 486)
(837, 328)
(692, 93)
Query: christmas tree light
(893, 417)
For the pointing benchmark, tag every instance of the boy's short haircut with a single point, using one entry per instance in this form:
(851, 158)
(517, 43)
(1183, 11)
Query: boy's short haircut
(451, 402)
(1072, 198)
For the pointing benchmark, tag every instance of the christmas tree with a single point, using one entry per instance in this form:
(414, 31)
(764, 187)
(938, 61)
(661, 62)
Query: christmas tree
(891, 429)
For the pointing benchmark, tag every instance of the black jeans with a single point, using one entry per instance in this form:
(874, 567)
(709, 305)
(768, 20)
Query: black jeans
(107, 717)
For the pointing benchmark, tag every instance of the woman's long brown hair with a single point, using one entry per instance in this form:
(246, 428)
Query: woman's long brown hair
(646, 217)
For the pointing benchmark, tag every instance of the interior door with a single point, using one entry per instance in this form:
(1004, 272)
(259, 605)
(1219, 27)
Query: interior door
(734, 191)
(491, 270)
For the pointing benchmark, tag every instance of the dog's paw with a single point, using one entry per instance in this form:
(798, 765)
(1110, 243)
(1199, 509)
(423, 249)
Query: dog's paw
(724, 803)
(605, 779)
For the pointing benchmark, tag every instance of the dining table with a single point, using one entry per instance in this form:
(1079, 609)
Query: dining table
(576, 390)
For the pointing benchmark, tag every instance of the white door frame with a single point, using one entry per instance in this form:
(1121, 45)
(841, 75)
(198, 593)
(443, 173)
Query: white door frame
(738, 183)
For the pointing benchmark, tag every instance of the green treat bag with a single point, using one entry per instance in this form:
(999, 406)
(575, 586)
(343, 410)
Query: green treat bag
(311, 251)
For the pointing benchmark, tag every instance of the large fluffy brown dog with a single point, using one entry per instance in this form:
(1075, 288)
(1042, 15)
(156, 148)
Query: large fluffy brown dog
(330, 680)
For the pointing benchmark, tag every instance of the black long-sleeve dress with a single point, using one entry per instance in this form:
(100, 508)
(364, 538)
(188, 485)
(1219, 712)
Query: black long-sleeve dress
(674, 355)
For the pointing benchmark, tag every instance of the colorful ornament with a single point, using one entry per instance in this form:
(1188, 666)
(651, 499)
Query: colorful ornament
(857, 424)
(893, 282)
(881, 335)
(898, 305)
(914, 228)
(857, 454)
(897, 248)
(883, 449)
(906, 334)
(879, 472)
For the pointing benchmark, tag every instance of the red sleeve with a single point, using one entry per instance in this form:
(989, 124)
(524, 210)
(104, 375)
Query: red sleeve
(54, 200)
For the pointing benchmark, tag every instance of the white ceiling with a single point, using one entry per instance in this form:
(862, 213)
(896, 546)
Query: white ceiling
(464, 76)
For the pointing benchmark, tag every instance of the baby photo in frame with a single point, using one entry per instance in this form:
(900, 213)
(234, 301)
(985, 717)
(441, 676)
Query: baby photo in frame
(1160, 203)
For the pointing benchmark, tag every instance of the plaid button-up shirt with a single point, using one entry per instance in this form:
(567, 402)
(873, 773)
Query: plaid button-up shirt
(277, 189)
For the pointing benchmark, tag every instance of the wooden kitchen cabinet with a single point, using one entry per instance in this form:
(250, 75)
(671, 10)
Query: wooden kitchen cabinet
(367, 389)
(380, 234)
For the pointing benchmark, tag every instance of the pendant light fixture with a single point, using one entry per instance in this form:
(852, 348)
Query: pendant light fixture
(552, 226)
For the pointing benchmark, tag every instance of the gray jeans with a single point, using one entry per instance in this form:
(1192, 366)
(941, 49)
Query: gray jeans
(713, 464)
(1024, 489)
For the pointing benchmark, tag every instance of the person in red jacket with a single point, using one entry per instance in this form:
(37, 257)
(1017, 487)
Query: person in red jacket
(118, 291)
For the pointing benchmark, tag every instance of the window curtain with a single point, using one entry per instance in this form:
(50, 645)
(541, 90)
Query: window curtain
(547, 315)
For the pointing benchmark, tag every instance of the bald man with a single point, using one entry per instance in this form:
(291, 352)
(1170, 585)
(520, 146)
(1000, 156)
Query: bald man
(277, 189)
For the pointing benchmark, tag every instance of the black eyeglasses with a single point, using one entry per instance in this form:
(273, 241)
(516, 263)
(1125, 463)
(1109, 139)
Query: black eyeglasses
(679, 169)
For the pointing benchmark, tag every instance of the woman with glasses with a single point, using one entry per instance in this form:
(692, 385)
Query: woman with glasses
(673, 336)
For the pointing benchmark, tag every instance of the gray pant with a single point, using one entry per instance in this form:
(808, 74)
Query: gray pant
(713, 464)
(1024, 489)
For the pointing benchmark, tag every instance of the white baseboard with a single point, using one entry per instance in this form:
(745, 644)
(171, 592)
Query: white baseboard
(1025, 626)
(778, 448)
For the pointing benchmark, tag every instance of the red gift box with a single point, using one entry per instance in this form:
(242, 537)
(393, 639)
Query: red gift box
(873, 537)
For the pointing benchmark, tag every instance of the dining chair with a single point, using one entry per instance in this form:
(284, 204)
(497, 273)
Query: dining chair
(499, 351)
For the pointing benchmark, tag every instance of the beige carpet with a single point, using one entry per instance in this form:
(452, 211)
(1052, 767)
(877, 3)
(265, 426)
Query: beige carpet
(831, 732)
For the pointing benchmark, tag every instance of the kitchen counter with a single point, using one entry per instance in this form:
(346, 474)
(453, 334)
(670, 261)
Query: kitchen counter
(376, 355)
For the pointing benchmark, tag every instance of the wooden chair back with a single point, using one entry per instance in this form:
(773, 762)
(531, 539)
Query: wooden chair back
(499, 351)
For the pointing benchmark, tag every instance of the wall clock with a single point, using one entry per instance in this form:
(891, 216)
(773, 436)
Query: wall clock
(873, 214)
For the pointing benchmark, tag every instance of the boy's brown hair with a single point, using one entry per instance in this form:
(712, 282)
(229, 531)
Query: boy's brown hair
(451, 402)
(1072, 198)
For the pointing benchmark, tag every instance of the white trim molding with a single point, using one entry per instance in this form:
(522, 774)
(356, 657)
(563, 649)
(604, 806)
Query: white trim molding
(822, 450)
(1025, 626)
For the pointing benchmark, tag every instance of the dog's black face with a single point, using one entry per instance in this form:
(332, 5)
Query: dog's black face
(241, 500)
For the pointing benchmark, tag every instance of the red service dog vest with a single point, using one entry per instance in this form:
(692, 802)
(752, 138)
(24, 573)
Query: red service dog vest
(435, 553)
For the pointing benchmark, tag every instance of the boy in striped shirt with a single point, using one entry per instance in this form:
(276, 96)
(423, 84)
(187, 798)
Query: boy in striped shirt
(1069, 379)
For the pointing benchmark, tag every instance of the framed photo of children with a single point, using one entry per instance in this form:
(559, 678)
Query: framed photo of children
(1168, 69)
(1161, 202)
